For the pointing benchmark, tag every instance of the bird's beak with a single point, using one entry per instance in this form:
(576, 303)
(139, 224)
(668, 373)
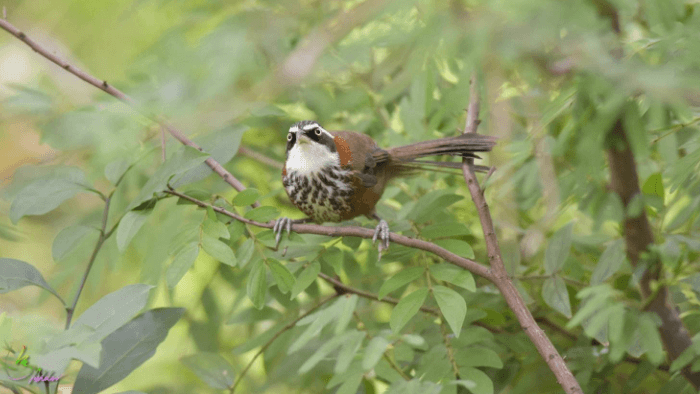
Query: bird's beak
(303, 139)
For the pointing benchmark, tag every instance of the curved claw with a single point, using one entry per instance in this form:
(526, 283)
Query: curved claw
(381, 232)
(280, 224)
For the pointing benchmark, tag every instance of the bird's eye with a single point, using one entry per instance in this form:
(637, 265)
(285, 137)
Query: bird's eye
(289, 137)
(318, 132)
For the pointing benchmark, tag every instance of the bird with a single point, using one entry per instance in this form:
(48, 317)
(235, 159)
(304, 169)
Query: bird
(334, 176)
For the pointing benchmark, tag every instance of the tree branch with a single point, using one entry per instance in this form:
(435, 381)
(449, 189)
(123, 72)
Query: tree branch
(352, 231)
(500, 277)
(107, 88)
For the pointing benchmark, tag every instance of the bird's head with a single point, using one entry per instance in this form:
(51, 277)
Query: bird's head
(310, 147)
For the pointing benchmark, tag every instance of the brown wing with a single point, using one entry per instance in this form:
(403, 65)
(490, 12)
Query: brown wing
(349, 145)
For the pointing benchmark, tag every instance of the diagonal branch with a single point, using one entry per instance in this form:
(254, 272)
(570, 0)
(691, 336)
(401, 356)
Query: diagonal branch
(107, 88)
(500, 276)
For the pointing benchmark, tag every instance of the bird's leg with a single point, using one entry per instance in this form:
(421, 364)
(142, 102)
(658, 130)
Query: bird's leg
(285, 223)
(381, 232)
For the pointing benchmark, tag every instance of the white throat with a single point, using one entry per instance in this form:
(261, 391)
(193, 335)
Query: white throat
(309, 158)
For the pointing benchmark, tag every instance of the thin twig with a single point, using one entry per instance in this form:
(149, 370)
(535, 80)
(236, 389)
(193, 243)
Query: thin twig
(269, 342)
(260, 157)
(104, 86)
(103, 236)
(343, 288)
(450, 350)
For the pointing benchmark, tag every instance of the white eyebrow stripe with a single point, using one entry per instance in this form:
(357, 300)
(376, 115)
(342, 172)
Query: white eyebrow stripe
(293, 129)
(325, 132)
(311, 126)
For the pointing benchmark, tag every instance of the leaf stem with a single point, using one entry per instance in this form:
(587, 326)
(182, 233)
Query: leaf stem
(103, 236)
(289, 326)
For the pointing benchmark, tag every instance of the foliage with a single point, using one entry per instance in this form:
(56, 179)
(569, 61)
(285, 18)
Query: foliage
(555, 78)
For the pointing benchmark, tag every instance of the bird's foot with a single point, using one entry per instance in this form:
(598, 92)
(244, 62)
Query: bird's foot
(285, 223)
(381, 232)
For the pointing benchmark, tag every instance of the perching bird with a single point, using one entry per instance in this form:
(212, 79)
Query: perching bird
(334, 176)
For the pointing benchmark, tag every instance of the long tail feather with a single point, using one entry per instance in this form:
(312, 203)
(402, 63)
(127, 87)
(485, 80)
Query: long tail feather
(437, 166)
(463, 145)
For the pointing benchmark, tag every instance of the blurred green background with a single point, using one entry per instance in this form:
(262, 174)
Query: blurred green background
(553, 78)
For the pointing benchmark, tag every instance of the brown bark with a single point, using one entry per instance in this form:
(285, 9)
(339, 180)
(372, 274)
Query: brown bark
(499, 275)
(638, 238)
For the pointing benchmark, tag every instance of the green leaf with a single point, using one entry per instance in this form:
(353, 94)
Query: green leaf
(262, 214)
(318, 320)
(610, 262)
(127, 348)
(558, 249)
(322, 352)
(452, 306)
(222, 145)
(475, 381)
(407, 307)
(616, 324)
(455, 275)
(688, 355)
(236, 229)
(635, 206)
(635, 131)
(444, 230)
(651, 340)
(218, 250)
(182, 262)
(257, 285)
(430, 203)
(183, 160)
(284, 279)
(556, 295)
(15, 274)
(114, 310)
(245, 252)
(115, 169)
(70, 237)
(457, 247)
(246, 197)
(654, 185)
(478, 356)
(334, 257)
(351, 385)
(215, 228)
(349, 304)
(414, 386)
(596, 297)
(348, 351)
(400, 279)
(211, 368)
(45, 195)
(129, 226)
(305, 279)
(374, 351)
